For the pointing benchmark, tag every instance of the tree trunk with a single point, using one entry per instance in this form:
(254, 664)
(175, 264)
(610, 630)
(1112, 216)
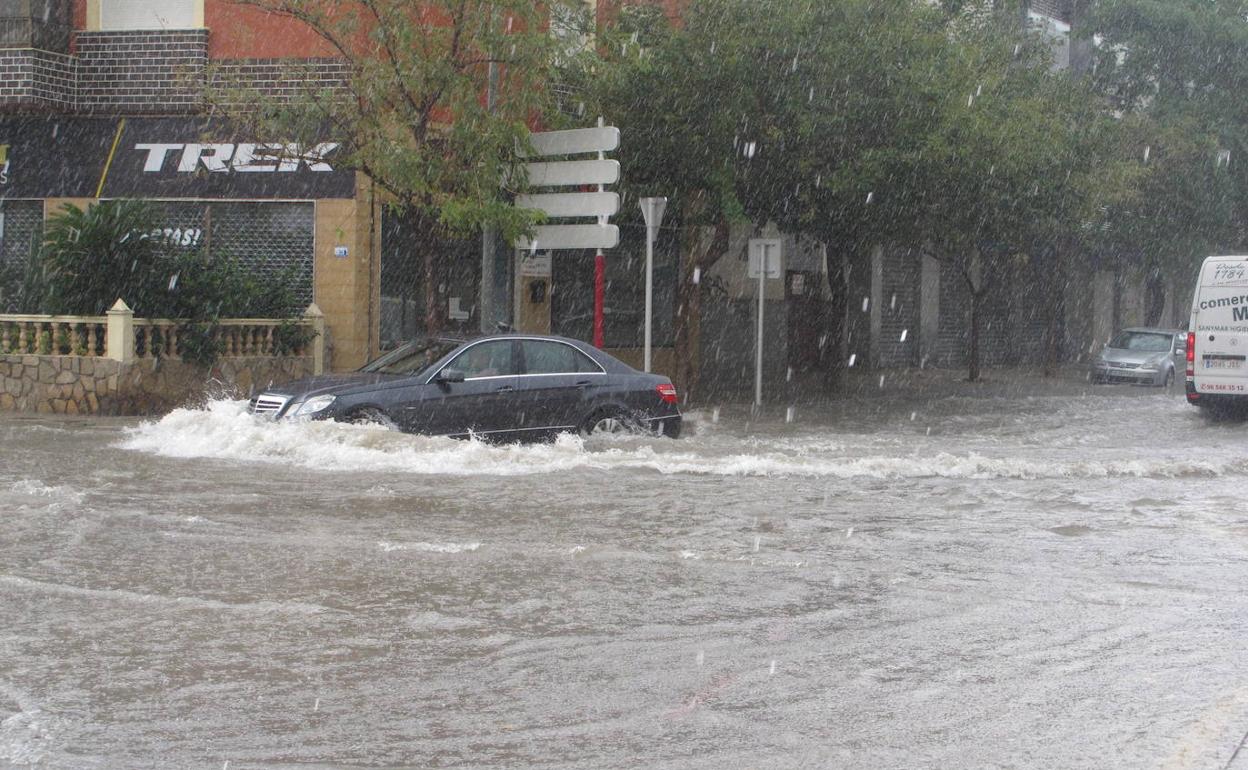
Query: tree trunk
(835, 327)
(1054, 308)
(430, 245)
(688, 322)
(973, 354)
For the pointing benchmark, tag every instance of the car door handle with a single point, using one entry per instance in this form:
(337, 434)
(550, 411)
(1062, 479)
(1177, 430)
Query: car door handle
(583, 383)
(505, 388)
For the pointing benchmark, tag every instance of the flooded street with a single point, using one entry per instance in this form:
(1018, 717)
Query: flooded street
(1056, 581)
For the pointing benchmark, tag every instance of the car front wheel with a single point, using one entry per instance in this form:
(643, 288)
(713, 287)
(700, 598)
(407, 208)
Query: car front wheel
(372, 417)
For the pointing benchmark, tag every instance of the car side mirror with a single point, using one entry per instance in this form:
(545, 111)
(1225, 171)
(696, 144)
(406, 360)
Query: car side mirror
(450, 375)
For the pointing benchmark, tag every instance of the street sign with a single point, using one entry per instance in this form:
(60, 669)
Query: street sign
(569, 173)
(572, 204)
(535, 264)
(573, 142)
(759, 247)
(571, 237)
(764, 263)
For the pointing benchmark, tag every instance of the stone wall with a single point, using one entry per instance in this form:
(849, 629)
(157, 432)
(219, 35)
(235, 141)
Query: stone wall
(86, 385)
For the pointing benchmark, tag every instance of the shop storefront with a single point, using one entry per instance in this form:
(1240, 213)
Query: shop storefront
(285, 212)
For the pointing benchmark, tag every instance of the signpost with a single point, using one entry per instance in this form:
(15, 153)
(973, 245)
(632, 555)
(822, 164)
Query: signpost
(652, 210)
(564, 205)
(764, 256)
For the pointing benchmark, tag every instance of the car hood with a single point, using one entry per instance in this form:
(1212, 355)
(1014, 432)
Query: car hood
(1119, 355)
(334, 384)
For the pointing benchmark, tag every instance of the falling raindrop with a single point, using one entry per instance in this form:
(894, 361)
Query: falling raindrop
(713, 46)
(788, 375)
(892, 302)
(697, 275)
(849, 533)
(750, 147)
(789, 414)
(811, 98)
(913, 415)
(852, 358)
(317, 706)
(715, 415)
(1147, 151)
(701, 657)
(773, 668)
(881, 380)
(929, 431)
(904, 333)
(970, 100)
(870, 197)
(818, 180)
(866, 303)
(173, 282)
(979, 90)
(758, 539)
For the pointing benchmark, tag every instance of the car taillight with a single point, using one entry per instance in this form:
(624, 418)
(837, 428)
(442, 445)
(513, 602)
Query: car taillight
(667, 392)
(1191, 354)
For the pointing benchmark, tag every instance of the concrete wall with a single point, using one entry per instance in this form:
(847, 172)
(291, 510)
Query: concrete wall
(87, 385)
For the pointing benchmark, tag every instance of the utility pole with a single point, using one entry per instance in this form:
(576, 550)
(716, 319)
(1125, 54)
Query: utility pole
(489, 235)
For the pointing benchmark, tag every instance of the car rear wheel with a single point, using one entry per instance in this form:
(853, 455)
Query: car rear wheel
(1169, 382)
(610, 421)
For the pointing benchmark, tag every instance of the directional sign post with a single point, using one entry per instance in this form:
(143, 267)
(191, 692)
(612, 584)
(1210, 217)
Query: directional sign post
(563, 203)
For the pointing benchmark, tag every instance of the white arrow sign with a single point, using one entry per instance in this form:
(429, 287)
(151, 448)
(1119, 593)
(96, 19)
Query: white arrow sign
(572, 204)
(574, 142)
(573, 172)
(571, 237)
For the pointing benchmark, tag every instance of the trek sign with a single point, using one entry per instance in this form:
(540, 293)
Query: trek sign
(60, 157)
(244, 157)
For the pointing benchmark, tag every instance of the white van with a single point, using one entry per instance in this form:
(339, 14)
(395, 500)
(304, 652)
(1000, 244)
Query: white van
(1217, 335)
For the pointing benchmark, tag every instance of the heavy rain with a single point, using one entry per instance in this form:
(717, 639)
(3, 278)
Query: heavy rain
(652, 383)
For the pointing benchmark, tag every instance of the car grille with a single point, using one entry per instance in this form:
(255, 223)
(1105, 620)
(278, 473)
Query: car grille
(267, 404)
(1121, 365)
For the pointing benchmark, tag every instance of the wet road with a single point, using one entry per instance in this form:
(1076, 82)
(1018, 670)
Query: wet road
(1008, 582)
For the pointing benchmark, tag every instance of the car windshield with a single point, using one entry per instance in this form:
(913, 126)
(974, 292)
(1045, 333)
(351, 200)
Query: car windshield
(412, 358)
(1145, 342)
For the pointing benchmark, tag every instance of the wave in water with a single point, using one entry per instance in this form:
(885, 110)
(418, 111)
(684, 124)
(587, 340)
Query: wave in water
(223, 430)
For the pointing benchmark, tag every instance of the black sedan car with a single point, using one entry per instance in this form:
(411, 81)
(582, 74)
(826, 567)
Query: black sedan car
(502, 386)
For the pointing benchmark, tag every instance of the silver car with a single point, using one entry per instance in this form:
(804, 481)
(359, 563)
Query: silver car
(1142, 356)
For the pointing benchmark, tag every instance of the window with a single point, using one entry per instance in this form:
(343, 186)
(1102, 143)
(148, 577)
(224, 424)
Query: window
(1143, 341)
(150, 14)
(487, 359)
(555, 358)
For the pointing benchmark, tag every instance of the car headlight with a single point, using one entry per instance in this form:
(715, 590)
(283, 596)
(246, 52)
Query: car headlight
(312, 406)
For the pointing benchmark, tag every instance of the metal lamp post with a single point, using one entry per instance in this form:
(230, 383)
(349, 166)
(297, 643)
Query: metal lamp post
(652, 211)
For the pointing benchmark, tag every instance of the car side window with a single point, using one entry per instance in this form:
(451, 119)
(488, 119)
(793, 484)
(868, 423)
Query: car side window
(541, 357)
(486, 359)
